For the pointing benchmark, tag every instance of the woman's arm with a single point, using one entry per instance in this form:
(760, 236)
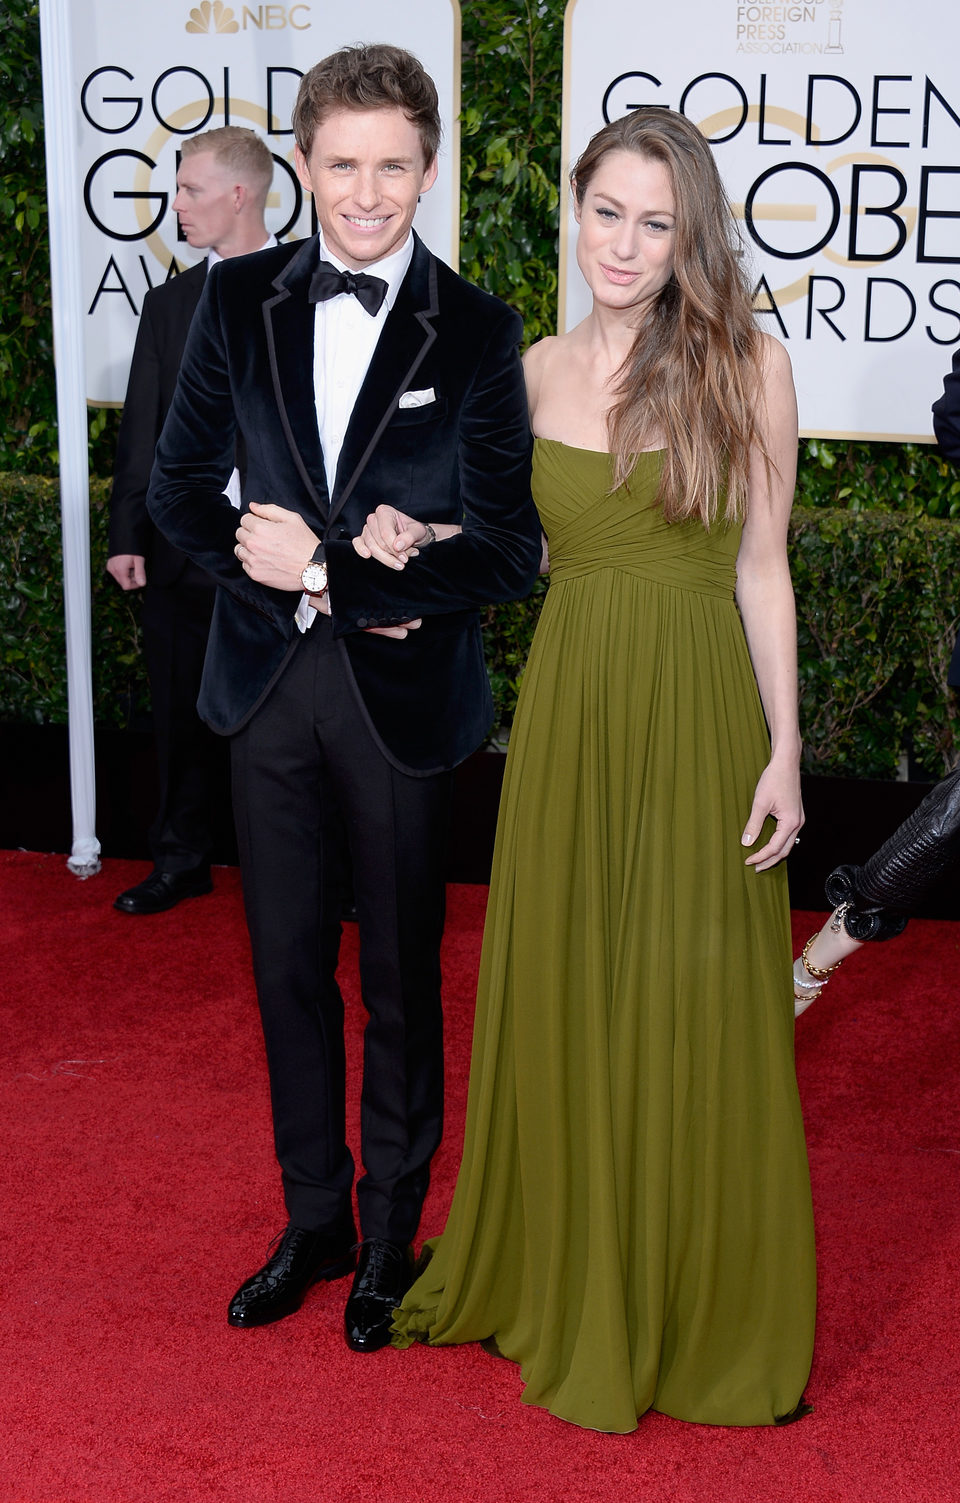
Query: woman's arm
(532, 376)
(392, 537)
(765, 598)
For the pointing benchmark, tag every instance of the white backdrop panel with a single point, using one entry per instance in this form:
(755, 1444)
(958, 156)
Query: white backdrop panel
(836, 126)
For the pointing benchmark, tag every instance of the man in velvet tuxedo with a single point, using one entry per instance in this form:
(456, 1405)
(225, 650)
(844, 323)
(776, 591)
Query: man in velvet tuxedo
(946, 426)
(222, 186)
(361, 374)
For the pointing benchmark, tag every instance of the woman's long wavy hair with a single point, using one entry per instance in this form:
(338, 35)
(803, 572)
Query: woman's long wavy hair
(692, 378)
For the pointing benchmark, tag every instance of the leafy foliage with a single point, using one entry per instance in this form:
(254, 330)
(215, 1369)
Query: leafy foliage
(33, 686)
(510, 154)
(878, 477)
(877, 615)
(508, 633)
(26, 342)
(28, 437)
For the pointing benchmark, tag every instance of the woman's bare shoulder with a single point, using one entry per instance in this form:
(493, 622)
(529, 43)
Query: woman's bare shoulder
(536, 361)
(539, 354)
(774, 359)
(543, 356)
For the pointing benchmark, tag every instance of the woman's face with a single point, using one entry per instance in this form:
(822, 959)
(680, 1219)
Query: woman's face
(627, 234)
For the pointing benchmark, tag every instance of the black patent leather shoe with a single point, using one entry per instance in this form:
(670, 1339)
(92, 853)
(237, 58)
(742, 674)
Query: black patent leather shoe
(163, 890)
(302, 1259)
(384, 1274)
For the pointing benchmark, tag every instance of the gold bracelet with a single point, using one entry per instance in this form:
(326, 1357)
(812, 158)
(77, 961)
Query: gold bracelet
(820, 973)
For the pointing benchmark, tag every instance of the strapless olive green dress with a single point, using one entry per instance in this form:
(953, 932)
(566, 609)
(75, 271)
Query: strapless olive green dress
(632, 1219)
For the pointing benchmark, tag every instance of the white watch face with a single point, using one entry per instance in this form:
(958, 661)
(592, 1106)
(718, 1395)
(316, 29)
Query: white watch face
(314, 578)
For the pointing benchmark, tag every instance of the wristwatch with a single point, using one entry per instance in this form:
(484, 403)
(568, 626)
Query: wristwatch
(314, 577)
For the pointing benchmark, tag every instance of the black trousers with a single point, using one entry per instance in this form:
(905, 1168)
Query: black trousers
(312, 792)
(192, 762)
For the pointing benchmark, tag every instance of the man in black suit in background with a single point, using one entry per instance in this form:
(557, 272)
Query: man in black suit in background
(360, 373)
(946, 426)
(222, 185)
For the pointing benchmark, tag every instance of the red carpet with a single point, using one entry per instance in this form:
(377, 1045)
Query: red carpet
(139, 1187)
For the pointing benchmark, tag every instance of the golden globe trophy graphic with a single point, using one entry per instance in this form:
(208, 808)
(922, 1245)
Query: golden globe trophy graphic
(834, 44)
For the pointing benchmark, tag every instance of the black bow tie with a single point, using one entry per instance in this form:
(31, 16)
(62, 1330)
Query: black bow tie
(327, 282)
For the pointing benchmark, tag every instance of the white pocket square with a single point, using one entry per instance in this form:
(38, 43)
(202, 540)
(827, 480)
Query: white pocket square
(418, 398)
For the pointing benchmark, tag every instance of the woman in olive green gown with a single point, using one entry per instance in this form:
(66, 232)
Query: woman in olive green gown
(632, 1222)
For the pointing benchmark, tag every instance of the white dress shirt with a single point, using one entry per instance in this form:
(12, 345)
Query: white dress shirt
(344, 339)
(213, 256)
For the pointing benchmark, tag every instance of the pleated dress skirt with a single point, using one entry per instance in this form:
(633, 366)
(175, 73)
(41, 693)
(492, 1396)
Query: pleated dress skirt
(632, 1220)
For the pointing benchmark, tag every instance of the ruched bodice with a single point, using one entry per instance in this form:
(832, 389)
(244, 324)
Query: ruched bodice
(591, 527)
(632, 1218)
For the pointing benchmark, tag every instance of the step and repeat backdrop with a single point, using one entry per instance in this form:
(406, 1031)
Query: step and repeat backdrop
(146, 79)
(836, 126)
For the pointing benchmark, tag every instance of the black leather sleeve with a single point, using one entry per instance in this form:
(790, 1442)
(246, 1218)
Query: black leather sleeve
(946, 413)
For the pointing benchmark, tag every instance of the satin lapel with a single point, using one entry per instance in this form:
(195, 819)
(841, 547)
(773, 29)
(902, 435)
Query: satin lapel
(407, 336)
(288, 319)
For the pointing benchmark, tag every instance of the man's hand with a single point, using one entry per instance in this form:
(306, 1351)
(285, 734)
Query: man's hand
(274, 545)
(321, 603)
(399, 632)
(128, 569)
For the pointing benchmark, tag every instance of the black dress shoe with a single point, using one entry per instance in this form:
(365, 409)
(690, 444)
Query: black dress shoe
(384, 1274)
(302, 1259)
(162, 890)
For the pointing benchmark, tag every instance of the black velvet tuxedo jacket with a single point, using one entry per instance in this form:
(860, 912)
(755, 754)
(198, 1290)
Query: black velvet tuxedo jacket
(462, 456)
(161, 337)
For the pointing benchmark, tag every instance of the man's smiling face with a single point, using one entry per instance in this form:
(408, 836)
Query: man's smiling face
(366, 171)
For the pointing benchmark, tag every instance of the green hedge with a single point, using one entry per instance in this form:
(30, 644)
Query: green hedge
(33, 686)
(878, 477)
(878, 609)
(877, 600)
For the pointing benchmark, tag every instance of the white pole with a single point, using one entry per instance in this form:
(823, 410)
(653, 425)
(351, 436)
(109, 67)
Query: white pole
(60, 123)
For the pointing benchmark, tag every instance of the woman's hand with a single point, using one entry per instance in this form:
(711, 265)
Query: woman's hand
(391, 537)
(777, 795)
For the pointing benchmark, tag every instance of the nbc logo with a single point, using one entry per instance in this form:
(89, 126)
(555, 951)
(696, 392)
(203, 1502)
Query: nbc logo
(213, 16)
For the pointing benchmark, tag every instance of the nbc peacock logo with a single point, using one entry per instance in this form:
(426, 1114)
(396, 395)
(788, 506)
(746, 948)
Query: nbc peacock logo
(212, 15)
